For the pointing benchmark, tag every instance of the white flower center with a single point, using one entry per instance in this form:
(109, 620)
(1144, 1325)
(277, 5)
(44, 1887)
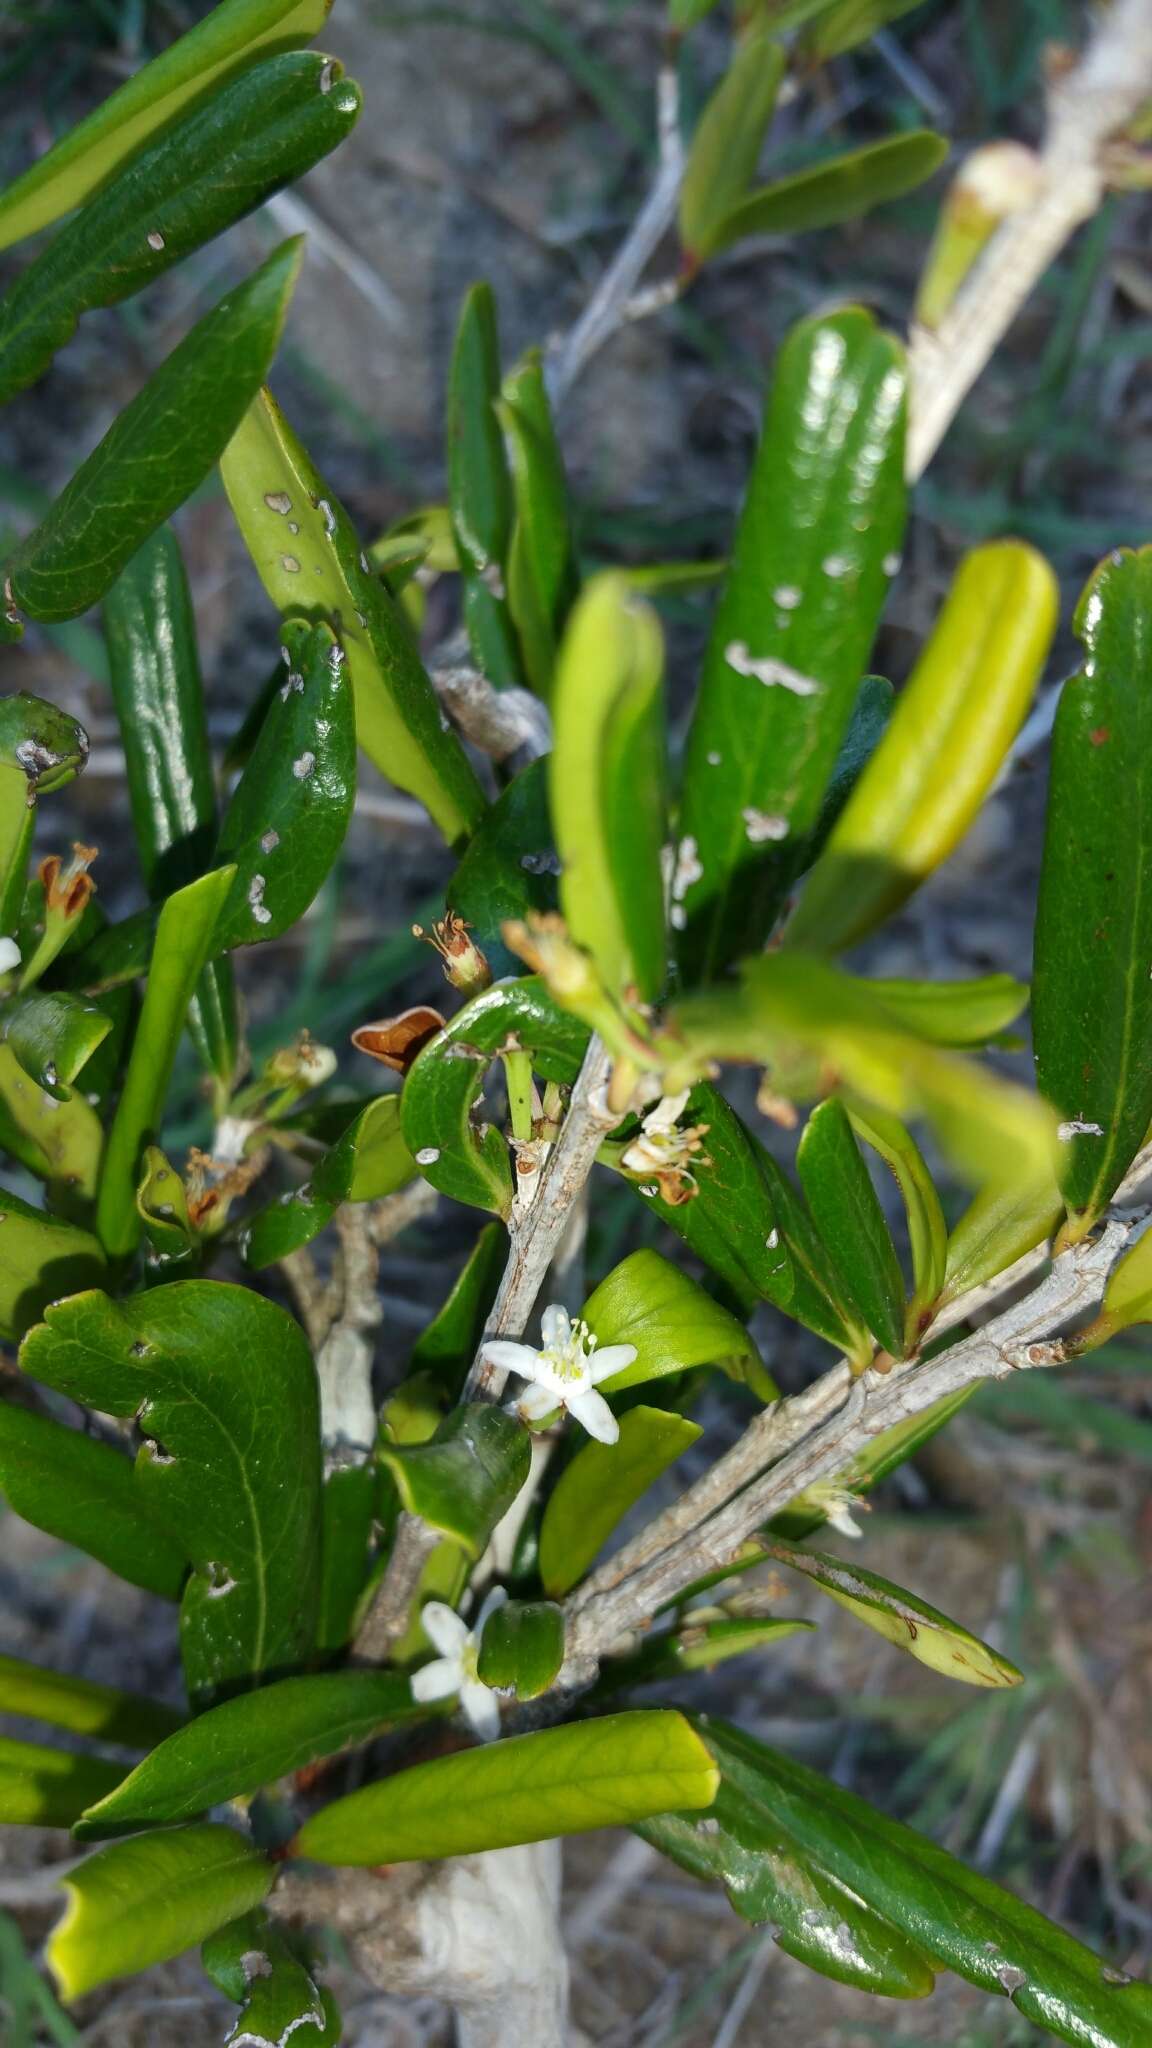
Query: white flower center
(567, 1362)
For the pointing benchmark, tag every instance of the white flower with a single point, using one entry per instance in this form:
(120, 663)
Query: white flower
(9, 955)
(664, 1150)
(836, 1503)
(564, 1373)
(454, 1670)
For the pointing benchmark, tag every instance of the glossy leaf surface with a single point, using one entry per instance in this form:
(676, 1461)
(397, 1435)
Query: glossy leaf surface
(510, 867)
(946, 740)
(139, 1902)
(606, 784)
(673, 1324)
(293, 803)
(467, 1477)
(222, 160)
(248, 1742)
(369, 1160)
(252, 1962)
(158, 449)
(309, 559)
(1092, 996)
(927, 1230)
(44, 1257)
(85, 1493)
(599, 1486)
(561, 1781)
(847, 1213)
(522, 1648)
(839, 190)
(225, 1390)
(820, 530)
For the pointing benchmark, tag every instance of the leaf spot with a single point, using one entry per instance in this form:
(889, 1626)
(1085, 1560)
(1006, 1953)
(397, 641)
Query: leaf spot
(428, 1155)
(302, 768)
(1077, 1128)
(155, 239)
(761, 825)
(269, 840)
(278, 501)
(290, 563)
(769, 671)
(256, 902)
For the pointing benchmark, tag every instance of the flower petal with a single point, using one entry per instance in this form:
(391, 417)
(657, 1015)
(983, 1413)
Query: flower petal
(537, 1402)
(667, 1112)
(593, 1411)
(445, 1629)
(493, 1598)
(555, 1327)
(612, 1359)
(481, 1709)
(438, 1680)
(519, 1358)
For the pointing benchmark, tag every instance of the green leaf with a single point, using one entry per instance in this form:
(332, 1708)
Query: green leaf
(480, 488)
(139, 1902)
(1128, 1295)
(808, 1021)
(599, 1486)
(293, 803)
(870, 715)
(48, 747)
(961, 1013)
(248, 1742)
(309, 559)
(927, 1230)
(252, 1962)
(839, 190)
(216, 165)
(348, 1515)
(157, 450)
(162, 1206)
(59, 1141)
(181, 949)
(52, 1037)
(542, 573)
(233, 34)
(561, 1781)
(825, 509)
(85, 1493)
(606, 784)
(443, 1086)
(647, 1302)
(1092, 996)
(44, 1258)
(900, 1618)
(1004, 1220)
(699, 1645)
(510, 867)
(819, 1921)
(466, 1478)
(847, 1213)
(522, 1648)
(839, 28)
(726, 147)
(42, 1787)
(87, 1709)
(369, 1160)
(953, 724)
(154, 669)
(961, 1921)
(224, 1389)
(446, 1346)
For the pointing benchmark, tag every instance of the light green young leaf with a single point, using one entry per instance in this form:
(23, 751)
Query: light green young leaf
(232, 36)
(839, 190)
(561, 1781)
(44, 1257)
(647, 1302)
(86, 1708)
(1004, 1220)
(543, 576)
(598, 1487)
(901, 1618)
(41, 1787)
(369, 1160)
(139, 1902)
(726, 146)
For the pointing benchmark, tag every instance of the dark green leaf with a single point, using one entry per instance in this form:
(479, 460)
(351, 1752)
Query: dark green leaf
(233, 34)
(154, 668)
(82, 1706)
(819, 1921)
(961, 1921)
(43, 1258)
(927, 1230)
(292, 805)
(542, 573)
(252, 1962)
(832, 192)
(348, 1514)
(480, 488)
(182, 947)
(231, 153)
(726, 146)
(944, 746)
(955, 1012)
(870, 715)
(1092, 996)
(510, 867)
(522, 1648)
(561, 1781)
(821, 527)
(606, 784)
(159, 448)
(848, 1215)
(309, 559)
(48, 747)
(42, 1787)
(248, 1742)
(443, 1086)
(647, 1302)
(599, 1486)
(139, 1902)
(224, 1388)
(467, 1477)
(85, 1493)
(446, 1347)
(369, 1160)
